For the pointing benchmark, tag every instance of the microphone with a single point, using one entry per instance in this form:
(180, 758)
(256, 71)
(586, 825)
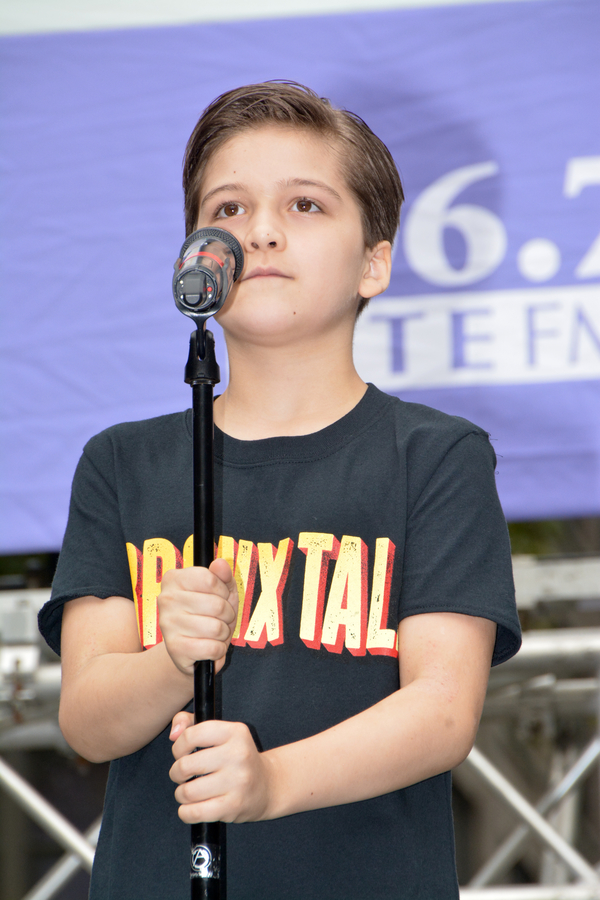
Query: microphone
(210, 260)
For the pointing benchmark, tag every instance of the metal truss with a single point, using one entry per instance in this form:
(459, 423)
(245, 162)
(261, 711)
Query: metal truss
(508, 852)
(555, 672)
(55, 879)
(80, 847)
(29, 691)
(554, 669)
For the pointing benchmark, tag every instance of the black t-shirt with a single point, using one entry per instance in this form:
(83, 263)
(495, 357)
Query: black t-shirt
(333, 537)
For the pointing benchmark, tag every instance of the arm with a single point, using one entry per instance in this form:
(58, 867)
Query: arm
(115, 698)
(425, 728)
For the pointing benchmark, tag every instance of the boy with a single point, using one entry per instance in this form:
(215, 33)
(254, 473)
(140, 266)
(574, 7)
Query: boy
(362, 545)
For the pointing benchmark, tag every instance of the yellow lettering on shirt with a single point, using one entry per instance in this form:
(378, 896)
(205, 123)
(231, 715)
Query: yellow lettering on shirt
(134, 557)
(382, 641)
(348, 621)
(159, 555)
(345, 620)
(188, 552)
(244, 574)
(266, 623)
(319, 549)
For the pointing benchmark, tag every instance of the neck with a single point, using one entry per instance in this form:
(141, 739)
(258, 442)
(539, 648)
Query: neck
(277, 391)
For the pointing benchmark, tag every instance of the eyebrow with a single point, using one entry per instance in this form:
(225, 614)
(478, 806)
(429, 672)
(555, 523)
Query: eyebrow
(289, 182)
(304, 182)
(231, 188)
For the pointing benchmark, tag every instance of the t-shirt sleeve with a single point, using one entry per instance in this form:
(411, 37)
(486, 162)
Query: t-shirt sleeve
(93, 559)
(457, 551)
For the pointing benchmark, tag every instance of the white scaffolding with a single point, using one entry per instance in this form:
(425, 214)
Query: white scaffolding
(556, 673)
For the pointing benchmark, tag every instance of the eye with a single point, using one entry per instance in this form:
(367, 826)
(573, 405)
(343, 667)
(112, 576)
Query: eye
(228, 210)
(304, 205)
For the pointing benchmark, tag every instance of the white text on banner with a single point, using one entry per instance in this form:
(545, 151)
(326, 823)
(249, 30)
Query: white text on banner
(519, 336)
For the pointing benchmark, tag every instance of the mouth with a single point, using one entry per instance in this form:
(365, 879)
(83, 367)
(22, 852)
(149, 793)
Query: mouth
(264, 272)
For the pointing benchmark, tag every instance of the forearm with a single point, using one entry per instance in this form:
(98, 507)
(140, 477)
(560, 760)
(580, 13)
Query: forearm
(411, 735)
(117, 697)
(119, 702)
(426, 727)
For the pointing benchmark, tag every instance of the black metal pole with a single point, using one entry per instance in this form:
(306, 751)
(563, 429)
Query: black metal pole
(207, 870)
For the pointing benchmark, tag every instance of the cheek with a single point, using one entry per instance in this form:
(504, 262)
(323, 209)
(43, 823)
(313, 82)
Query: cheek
(346, 269)
(228, 302)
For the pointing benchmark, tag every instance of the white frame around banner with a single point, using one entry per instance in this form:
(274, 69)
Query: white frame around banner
(42, 16)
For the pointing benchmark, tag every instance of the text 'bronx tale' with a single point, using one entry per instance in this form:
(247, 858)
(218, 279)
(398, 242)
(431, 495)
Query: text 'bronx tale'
(337, 612)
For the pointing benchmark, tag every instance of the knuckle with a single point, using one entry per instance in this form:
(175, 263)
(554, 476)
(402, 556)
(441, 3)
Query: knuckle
(207, 650)
(189, 742)
(167, 578)
(163, 601)
(244, 782)
(241, 732)
(186, 815)
(186, 769)
(240, 752)
(227, 811)
(232, 610)
(214, 628)
(212, 582)
(185, 793)
(220, 607)
(216, 649)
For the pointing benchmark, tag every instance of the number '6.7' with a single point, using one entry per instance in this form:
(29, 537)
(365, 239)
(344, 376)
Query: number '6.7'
(482, 231)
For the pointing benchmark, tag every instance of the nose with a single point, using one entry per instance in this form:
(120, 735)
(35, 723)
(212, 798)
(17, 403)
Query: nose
(265, 233)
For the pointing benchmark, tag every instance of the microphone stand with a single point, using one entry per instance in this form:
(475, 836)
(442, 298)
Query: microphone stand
(207, 872)
(210, 260)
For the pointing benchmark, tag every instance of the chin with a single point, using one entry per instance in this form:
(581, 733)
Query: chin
(260, 318)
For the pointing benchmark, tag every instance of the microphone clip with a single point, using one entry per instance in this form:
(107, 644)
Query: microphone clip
(202, 366)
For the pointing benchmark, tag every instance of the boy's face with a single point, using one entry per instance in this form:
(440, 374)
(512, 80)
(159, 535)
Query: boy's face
(281, 192)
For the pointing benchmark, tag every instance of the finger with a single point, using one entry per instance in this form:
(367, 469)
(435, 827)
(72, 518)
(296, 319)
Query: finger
(197, 579)
(207, 625)
(207, 799)
(212, 733)
(181, 721)
(207, 761)
(220, 806)
(213, 810)
(192, 611)
(190, 767)
(221, 568)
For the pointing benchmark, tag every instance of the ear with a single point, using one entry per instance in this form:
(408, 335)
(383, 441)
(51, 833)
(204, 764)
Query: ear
(377, 270)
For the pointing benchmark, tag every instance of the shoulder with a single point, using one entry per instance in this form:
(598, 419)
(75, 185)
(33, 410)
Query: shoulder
(429, 449)
(416, 417)
(133, 442)
(420, 429)
(122, 455)
(131, 434)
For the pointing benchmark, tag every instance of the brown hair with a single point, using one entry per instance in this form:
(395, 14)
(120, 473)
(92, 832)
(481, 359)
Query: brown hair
(366, 162)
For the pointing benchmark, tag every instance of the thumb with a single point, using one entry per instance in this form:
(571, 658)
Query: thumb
(181, 721)
(222, 569)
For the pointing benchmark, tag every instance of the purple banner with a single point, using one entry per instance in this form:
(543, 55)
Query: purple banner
(493, 313)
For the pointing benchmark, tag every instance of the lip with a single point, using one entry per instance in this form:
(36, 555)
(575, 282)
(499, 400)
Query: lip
(264, 272)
